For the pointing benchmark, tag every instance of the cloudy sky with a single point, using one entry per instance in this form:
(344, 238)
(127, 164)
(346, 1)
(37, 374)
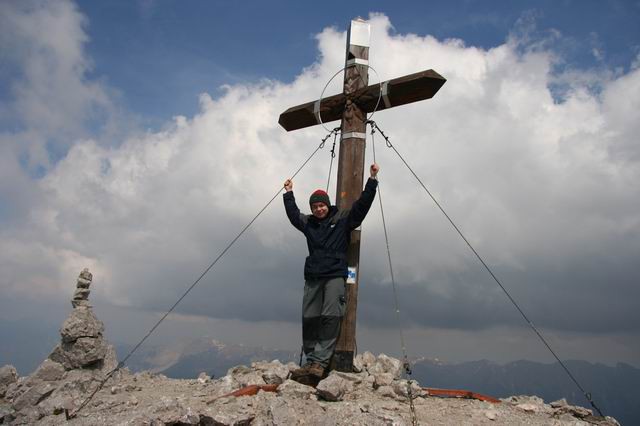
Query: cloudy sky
(138, 138)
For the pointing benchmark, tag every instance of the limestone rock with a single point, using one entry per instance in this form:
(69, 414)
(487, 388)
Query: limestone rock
(364, 360)
(49, 371)
(295, 390)
(81, 323)
(334, 387)
(386, 364)
(56, 404)
(84, 279)
(401, 388)
(528, 407)
(33, 396)
(233, 411)
(8, 376)
(225, 385)
(203, 378)
(271, 378)
(559, 403)
(81, 295)
(110, 361)
(245, 376)
(383, 379)
(579, 412)
(386, 391)
(354, 378)
(284, 412)
(12, 392)
(529, 404)
(491, 414)
(6, 413)
(273, 373)
(358, 365)
(27, 416)
(520, 399)
(84, 352)
(369, 381)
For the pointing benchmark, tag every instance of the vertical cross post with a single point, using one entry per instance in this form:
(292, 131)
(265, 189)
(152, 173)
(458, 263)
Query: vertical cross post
(350, 177)
(351, 106)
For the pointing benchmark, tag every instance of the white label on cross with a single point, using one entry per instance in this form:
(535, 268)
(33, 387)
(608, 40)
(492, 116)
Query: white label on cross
(359, 33)
(351, 275)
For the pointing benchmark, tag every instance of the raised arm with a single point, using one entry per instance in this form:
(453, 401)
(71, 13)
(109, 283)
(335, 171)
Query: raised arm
(361, 206)
(296, 218)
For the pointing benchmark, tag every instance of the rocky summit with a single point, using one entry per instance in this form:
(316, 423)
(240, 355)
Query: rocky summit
(257, 394)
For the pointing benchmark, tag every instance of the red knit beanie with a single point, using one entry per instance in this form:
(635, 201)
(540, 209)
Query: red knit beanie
(319, 196)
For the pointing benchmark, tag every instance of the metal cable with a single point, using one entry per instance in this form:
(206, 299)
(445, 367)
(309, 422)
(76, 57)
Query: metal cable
(386, 238)
(211, 265)
(333, 155)
(586, 394)
(406, 364)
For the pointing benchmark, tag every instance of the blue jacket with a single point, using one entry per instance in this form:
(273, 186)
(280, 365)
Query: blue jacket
(328, 239)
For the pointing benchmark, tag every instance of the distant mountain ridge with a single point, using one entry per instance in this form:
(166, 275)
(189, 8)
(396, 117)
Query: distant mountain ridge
(613, 388)
(211, 356)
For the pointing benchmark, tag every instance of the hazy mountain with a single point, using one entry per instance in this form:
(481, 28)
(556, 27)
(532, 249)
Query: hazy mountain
(189, 359)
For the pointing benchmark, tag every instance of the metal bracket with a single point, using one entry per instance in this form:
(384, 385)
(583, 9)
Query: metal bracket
(385, 91)
(316, 111)
(357, 61)
(353, 135)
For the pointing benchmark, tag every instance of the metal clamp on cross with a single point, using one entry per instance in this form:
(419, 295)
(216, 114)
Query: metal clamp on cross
(357, 100)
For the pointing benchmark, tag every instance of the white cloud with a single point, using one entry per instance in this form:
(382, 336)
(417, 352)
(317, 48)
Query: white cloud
(53, 100)
(545, 189)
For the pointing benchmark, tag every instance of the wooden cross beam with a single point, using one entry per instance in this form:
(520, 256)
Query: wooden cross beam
(352, 107)
(399, 91)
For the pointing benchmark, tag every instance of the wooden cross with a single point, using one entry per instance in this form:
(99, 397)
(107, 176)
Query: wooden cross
(352, 106)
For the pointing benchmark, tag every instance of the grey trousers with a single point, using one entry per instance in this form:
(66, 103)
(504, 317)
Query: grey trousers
(323, 306)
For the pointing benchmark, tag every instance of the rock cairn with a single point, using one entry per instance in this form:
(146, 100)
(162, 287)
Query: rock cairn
(83, 344)
(72, 370)
(81, 296)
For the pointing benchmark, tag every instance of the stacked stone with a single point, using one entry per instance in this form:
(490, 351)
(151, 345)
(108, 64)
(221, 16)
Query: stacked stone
(63, 380)
(83, 344)
(81, 296)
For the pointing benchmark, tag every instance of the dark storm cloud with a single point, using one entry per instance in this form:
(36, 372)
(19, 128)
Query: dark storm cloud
(584, 300)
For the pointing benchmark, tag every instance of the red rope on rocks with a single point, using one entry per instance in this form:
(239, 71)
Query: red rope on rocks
(456, 393)
(248, 391)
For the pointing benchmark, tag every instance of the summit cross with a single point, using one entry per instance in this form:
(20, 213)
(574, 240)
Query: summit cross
(352, 106)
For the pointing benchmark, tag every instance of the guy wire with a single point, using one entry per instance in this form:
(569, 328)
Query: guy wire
(586, 394)
(211, 265)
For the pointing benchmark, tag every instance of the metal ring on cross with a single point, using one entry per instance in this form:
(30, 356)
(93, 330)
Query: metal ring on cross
(318, 115)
